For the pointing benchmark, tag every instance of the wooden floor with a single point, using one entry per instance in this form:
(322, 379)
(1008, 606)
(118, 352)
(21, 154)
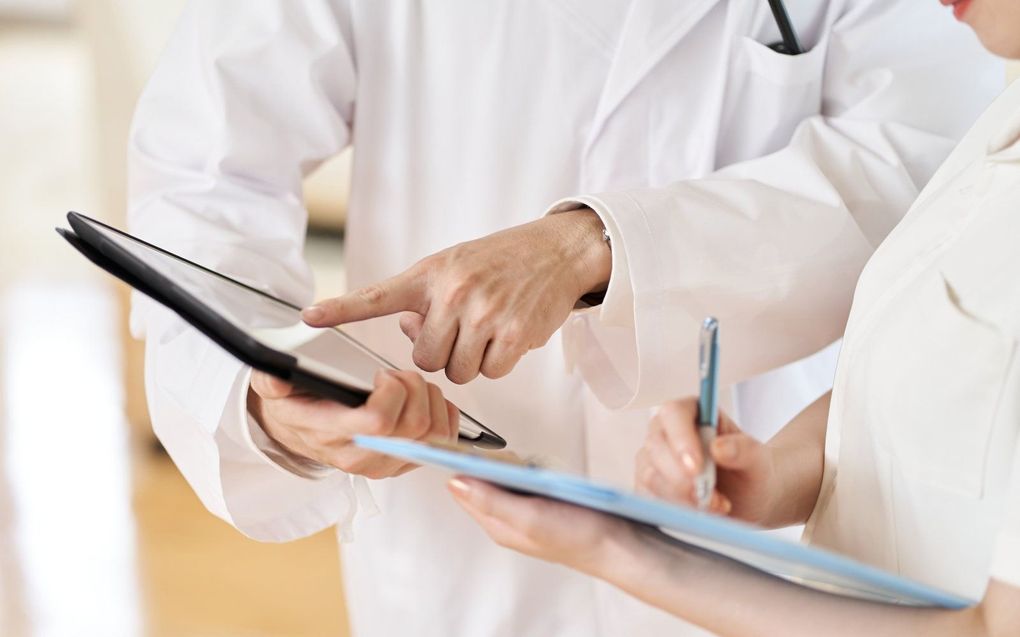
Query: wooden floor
(198, 577)
(99, 535)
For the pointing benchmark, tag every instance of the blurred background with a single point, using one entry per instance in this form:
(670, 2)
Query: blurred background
(99, 534)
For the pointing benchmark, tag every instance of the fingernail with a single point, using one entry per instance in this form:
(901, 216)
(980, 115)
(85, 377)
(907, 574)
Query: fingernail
(725, 448)
(459, 487)
(727, 506)
(688, 461)
(314, 313)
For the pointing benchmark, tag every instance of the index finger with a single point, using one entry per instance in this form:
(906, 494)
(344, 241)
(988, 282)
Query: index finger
(403, 292)
(678, 421)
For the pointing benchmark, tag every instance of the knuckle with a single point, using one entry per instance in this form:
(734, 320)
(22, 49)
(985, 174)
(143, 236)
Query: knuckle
(426, 264)
(419, 426)
(453, 415)
(378, 425)
(412, 378)
(647, 476)
(459, 375)
(640, 461)
(367, 464)
(457, 290)
(371, 294)
(639, 477)
(503, 360)
(678, 410)
(347, 461)
(482, 319)
(495, 370)
(375, 472)
(512, 335)
(425, 360)
(670, 409)
(410, 324)
(357, 462)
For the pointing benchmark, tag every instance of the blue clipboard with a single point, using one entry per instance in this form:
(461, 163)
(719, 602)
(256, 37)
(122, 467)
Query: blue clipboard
(800, 563)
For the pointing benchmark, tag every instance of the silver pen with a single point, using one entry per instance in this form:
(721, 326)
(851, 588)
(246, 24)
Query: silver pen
(708, 407)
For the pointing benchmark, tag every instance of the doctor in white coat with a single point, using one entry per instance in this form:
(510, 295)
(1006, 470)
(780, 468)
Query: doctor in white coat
(734, 180)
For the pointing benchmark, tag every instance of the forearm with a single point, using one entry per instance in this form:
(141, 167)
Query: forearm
(729, 598)
(798, 459)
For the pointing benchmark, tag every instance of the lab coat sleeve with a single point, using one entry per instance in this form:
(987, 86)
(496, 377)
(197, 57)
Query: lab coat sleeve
(246, 99)
(773, 246)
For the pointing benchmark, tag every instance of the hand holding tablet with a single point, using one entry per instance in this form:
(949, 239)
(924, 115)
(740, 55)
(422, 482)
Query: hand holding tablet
(401, 404)
(319, 367)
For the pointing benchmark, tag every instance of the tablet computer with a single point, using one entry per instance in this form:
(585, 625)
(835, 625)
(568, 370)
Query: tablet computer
(793, 561)
(258, 328)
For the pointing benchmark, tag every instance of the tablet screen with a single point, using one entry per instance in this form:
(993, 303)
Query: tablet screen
(329, 353)
(322, 354)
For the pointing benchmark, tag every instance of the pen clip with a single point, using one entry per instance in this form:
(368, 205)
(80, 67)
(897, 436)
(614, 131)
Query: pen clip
(706, 342)
(708, 370)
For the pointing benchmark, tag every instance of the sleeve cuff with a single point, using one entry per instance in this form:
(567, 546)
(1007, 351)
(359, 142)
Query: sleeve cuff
(601, 342)
(618, 306)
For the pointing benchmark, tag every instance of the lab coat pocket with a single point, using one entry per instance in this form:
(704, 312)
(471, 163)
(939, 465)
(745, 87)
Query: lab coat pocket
(779, 90)
(787, 71)
(944, 369)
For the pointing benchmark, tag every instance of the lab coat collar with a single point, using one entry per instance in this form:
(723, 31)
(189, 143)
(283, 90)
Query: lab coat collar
(651, 30)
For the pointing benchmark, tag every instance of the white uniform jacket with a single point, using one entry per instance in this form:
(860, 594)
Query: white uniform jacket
(734, 181)
(922, 451)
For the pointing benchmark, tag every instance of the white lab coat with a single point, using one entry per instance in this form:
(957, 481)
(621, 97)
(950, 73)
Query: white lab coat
(922, 450)
(473, 116)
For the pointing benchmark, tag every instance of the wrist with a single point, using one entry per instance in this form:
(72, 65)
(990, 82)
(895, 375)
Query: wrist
(585, 250)
(790, 499)
(622, 556)
(253, 402)
(256, 409)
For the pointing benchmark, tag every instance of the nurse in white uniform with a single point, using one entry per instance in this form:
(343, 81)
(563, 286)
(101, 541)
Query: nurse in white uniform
(914, 463)
(472, 117)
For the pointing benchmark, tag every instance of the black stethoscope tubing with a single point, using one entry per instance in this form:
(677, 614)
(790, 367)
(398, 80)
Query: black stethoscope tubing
(789, 44)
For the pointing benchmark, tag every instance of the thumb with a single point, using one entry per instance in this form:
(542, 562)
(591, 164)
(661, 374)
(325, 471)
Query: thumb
(411, 324)
(736, 451)
(404, 291)
(270, 387)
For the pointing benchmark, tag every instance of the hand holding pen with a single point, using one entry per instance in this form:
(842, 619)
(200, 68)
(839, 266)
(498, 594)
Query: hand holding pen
(678, 451)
